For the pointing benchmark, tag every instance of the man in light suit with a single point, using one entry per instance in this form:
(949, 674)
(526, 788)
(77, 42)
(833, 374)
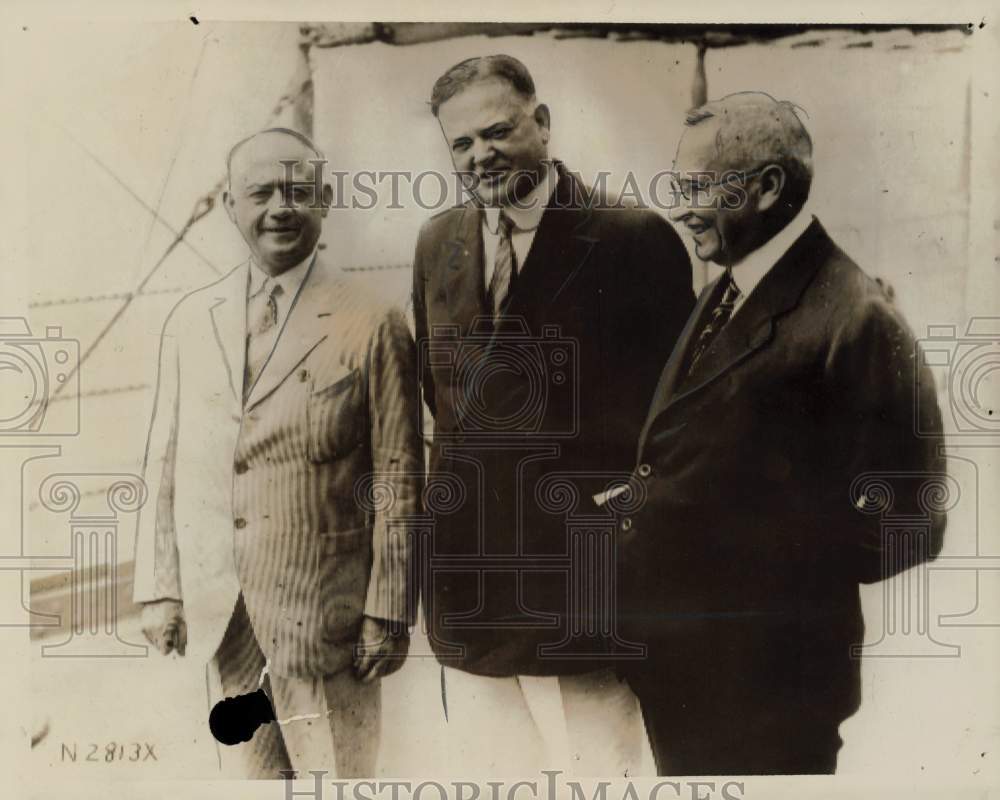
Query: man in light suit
(286, 400)
(543, 316)
(794, 378)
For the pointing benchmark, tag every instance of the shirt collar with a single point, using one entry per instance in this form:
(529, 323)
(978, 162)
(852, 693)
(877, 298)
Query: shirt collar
(751, 270)
(290, 280)
(527, 214)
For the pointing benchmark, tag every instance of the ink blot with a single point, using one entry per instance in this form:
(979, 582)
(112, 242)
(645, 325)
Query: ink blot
(236, 719)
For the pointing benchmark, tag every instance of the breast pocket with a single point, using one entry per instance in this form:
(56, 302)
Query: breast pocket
(338, 416)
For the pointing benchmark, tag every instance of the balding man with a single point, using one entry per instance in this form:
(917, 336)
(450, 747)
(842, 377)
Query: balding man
(794, 376)
(284, 394)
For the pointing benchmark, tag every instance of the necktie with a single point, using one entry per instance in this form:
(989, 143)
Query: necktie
(504, 265)
(721, 314)
(261, 330)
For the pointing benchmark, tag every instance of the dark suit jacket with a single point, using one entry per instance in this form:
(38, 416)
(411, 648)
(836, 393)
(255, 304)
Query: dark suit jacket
(560, 386)
(750, 544)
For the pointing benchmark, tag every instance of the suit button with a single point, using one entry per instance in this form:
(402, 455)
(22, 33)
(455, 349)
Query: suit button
(645, 470)
(627, 524)
(241, 467)
(240, 523)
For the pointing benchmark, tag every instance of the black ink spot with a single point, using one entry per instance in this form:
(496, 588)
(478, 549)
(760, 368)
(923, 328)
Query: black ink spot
(194, 20)
(236, 719)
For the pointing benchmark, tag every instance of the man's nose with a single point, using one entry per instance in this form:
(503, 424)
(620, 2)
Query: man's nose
(280, 204)
(482, 152)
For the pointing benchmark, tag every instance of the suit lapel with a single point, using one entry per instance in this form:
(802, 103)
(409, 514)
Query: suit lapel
(750, 329)
(558, 252)
(672, 374)
(465, 287)
(307, 324)
(229, 314)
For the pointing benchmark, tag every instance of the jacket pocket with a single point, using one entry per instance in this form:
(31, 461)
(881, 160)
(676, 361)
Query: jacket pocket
(337, 417)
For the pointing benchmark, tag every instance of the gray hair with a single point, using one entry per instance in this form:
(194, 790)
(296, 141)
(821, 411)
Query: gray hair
(479, 68)
(756, 130)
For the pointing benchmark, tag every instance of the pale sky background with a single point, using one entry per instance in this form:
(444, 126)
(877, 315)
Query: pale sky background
(139, 116)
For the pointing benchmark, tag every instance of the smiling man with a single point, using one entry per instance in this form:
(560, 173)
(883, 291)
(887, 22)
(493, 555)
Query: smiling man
(543, 316)
(794, 378)
(283, 392)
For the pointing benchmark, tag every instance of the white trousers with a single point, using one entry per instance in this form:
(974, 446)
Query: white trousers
(585, 725)
(330, 723)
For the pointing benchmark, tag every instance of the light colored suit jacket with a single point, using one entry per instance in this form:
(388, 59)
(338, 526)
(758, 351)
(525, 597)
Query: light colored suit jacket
(274, 497)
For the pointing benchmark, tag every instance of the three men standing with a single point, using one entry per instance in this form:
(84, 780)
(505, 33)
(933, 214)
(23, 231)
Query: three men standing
(546, 323)
(283, 393)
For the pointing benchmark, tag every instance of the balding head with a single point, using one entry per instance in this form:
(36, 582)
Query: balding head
(277, 197)
(752, 129)
(267, 143)
(752, 158)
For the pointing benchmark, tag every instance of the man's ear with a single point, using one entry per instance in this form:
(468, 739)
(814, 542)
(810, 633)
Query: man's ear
(543, 119)
(229, 204)
(327, 198)
(772, 184)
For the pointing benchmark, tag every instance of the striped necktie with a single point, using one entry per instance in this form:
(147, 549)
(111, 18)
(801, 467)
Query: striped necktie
(721, 314)
(504, 266)
(261, 330)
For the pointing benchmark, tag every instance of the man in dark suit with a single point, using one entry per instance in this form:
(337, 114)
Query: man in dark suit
(793, 384)
(542, 321)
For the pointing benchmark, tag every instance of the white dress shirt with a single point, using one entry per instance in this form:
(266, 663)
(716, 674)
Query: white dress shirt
(526, 216)
(751, 270)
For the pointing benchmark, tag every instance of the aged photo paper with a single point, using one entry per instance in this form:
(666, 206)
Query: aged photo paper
(546, 400)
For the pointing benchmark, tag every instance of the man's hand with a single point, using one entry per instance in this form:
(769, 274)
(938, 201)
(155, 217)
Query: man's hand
(381, 648)
(164, 627)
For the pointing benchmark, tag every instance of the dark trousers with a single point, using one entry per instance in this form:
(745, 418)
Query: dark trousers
(700, 737)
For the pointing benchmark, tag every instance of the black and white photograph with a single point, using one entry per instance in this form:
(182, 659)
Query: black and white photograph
(592, 404)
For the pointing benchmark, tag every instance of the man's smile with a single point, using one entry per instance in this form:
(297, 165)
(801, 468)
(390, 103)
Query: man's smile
(493, 177)
(281, 231)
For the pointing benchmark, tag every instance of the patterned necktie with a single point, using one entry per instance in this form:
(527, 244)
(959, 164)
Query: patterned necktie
(721, 314)
(504, 265)
(261, 330)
